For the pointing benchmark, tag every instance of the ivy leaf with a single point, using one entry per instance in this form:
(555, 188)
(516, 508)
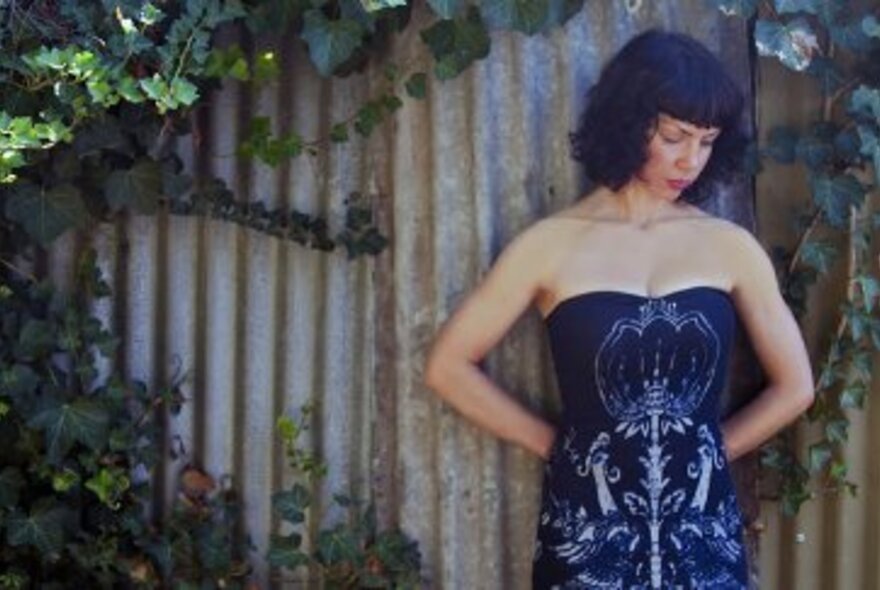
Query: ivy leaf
(870, 287)
(847, 144)
(526, 16)
(852, 36)
(42, 529)
(835, 195)
(820, 455)
(82, 420)
(838, 471)
(291, 504)
(742, 8)
(819, 255)
(336, 545)
(377, 5)
(865, 102)
(447, 8)
(792, 6)
(861, 367)
(814, 151)
(11, 482)
(560, 11)
(416, 85)
(793, 498)
(782, 144)
(853, 396)
(19, 381)
(875, 333)
(339, 133)
(455, 44)
(214, 550)
(266, 67)
(356, 11)
(793, 43)
(183, 91)
(46, 214)
(829, 74)
(138, 187)
(871, 26)
(330, 43)
(103, 134)
(284, 551)
(36, 339)
(869, 145)
(826, 10)
(109, 485)
(837, 431)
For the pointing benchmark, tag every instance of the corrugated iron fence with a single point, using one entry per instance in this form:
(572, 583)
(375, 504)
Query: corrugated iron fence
(262, 326)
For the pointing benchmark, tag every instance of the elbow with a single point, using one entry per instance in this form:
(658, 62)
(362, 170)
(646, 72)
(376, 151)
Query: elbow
(805, 395)
(435, 371)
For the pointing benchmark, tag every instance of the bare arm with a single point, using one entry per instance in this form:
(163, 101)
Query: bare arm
(475, 327)
(779, 346)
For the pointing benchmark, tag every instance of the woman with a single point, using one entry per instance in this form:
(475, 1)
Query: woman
(640, 291)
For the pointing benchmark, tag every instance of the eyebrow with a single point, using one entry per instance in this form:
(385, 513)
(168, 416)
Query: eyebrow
(677, 127)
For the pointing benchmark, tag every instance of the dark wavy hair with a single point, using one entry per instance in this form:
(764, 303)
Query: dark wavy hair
(659, 72)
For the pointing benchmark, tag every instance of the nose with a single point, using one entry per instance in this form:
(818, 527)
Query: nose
(690, 157)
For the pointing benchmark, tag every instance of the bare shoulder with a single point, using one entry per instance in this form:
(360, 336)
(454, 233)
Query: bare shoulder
(548, 234)
(753, 281)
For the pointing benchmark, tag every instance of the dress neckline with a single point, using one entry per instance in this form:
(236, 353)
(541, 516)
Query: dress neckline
(627, 294)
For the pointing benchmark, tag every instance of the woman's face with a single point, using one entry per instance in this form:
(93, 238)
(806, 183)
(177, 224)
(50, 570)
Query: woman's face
(677, 153)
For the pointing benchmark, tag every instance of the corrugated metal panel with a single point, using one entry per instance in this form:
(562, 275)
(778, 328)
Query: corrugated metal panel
(262, 326)
(834, 543)
(485, 156)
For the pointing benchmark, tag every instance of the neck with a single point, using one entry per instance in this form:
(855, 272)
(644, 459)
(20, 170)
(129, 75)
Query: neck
(634, 204)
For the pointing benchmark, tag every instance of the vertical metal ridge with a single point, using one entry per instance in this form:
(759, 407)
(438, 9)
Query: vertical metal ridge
(871, 488)
(265, 325)
(160, 296)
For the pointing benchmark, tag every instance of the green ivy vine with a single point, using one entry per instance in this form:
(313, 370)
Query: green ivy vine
(80, 443)
(92, 96)
(838, 46)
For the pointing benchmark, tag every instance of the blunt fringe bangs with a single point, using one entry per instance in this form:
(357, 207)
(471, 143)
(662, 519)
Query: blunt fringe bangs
(659, 72)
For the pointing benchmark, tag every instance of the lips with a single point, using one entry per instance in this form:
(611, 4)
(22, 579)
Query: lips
(678, 185)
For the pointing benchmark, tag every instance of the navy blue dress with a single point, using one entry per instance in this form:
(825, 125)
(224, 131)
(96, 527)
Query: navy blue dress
(637, 492)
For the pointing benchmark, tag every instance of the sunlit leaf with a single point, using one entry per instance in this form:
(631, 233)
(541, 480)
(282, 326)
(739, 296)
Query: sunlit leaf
(742, 8)
(793, 43)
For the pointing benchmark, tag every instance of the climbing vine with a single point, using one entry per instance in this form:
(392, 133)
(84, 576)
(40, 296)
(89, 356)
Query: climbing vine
(838, 46)
(92, 97)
